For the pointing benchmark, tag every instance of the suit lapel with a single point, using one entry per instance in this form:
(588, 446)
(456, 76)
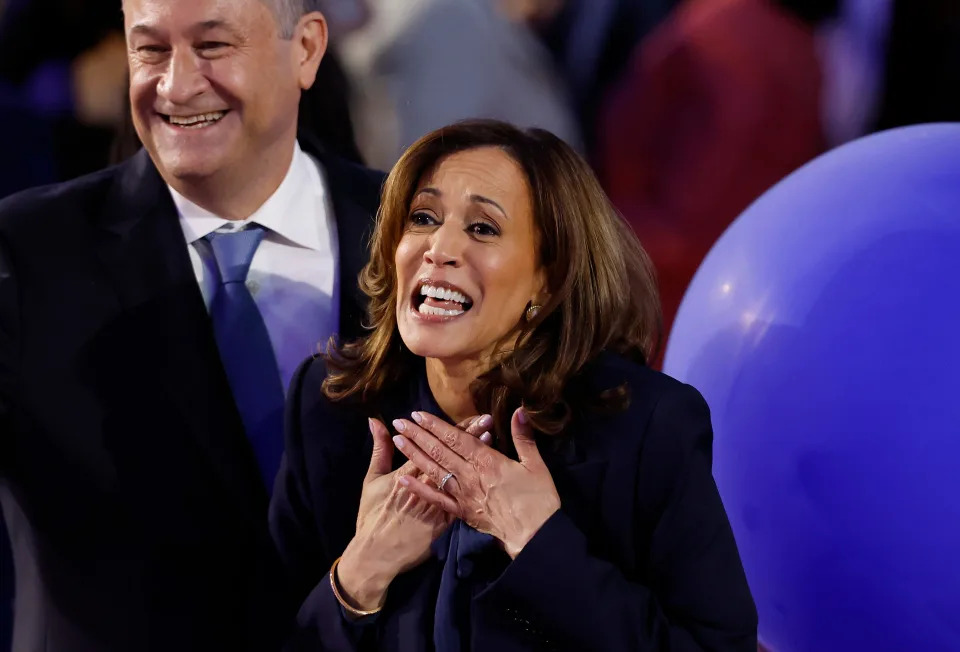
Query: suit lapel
(355, 198)
(143, 251)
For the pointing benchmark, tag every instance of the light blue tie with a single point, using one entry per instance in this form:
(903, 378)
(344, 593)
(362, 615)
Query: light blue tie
(245, 348)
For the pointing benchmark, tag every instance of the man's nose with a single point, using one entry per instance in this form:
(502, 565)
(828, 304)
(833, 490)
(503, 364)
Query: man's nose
(183, 79)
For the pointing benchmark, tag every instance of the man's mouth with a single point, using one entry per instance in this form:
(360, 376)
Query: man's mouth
(440, 299)
(197, 121)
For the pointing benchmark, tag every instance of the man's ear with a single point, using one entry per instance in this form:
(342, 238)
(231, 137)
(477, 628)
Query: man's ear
(310, 44)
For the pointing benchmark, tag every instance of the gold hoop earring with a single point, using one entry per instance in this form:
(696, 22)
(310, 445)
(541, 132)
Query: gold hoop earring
(533, 311)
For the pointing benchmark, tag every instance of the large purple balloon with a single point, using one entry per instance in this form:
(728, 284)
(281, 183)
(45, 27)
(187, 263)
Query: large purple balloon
(824, 331)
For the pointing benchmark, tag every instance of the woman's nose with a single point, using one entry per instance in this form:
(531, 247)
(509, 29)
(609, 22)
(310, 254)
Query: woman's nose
(445, 247)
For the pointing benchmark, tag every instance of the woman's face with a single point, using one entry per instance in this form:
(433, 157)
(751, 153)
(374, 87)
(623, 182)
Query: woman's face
(467, 263)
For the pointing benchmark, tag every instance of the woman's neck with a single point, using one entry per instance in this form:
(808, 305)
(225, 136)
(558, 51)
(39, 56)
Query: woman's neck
(450, 385)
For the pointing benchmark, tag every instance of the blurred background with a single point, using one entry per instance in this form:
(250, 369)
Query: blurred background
(687, 109)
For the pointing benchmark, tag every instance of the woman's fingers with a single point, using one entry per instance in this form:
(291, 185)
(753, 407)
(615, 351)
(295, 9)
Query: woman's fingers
(463, 445)
(453, 450)
(478, 427)
(381, 459)
(525, 442)
(408, 468)
(431, 495)
(424, 462)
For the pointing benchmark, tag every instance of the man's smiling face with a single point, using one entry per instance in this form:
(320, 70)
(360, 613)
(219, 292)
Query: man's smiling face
(213, 85)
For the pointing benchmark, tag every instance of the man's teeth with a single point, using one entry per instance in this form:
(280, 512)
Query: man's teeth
(443, 294)
(430, 310)
(200, 120)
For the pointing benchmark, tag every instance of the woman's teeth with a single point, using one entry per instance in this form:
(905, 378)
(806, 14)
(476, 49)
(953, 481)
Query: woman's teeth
(443, 294)
(457, 302)
(424, 309)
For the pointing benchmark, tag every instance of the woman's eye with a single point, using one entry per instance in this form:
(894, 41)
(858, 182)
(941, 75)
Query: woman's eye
(422, 219)
(482, 229)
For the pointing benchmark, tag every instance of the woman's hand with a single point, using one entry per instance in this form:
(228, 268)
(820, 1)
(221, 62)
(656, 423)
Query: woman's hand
(489, 491)
(394, 526)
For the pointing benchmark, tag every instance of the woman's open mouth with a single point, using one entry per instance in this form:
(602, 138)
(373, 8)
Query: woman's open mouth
(441, 299)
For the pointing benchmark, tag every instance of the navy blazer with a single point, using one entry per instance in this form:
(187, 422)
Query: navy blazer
(138, 513)
(639, 557)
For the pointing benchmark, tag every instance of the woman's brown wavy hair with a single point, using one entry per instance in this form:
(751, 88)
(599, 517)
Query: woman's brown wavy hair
(603, 294)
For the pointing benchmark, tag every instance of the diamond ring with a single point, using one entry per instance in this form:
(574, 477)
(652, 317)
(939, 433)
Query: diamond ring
(443, 482)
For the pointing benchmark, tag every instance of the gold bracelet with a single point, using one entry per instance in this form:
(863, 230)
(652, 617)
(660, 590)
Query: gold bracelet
(353, 611)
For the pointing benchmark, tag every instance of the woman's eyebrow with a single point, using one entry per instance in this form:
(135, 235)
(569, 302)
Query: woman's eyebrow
(480, 199)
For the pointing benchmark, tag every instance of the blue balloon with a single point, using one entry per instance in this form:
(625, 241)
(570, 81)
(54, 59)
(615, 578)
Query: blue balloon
(824, 331)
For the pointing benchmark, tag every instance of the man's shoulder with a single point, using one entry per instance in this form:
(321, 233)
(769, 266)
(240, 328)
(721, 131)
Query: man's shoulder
(361, 173)
(47, 208)
(363, 184)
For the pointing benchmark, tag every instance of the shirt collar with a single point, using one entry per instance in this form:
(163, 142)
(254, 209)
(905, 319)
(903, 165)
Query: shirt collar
(282, 213)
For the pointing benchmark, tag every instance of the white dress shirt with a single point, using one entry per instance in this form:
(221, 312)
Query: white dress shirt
(294, 275)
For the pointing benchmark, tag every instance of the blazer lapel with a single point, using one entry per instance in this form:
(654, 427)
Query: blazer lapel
(144, 253)
(578, 476)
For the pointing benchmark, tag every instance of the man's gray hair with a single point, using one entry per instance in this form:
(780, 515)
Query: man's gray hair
(289, 13)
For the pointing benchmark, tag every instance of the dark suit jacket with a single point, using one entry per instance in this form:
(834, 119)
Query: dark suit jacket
(137, 511)
(640, 556)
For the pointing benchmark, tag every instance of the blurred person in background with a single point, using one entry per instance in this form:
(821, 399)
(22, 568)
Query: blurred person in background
(853, 50)
(421, 64)
(151, 315)
(721, 101)
(890, 63)
(62, 80)
(592, 41)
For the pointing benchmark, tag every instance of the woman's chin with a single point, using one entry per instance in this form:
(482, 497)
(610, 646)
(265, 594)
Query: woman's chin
(433, 349)
(434, 333)
(428, 343)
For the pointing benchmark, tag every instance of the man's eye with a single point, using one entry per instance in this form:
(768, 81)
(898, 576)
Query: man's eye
(212, 45)
(151, 49)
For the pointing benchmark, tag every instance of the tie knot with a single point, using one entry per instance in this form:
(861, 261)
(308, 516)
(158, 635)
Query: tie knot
(233, 252)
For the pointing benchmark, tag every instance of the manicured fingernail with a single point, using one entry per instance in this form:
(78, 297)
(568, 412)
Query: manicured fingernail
(370, 424)
(486, 438)
(404, 480)
(522, 416)
(485, 421)
(417, 417)
(399, 442)
(399, 425)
